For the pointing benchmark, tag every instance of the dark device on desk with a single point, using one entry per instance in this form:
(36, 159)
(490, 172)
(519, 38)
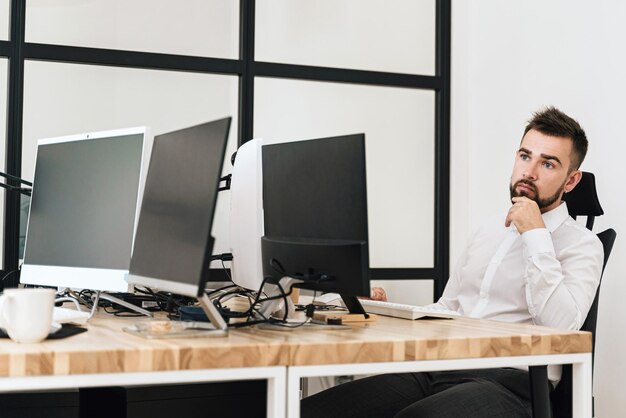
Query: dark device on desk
(173, 242)
(315, 215)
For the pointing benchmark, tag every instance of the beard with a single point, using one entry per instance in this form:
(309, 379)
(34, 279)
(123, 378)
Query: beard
(542, 203)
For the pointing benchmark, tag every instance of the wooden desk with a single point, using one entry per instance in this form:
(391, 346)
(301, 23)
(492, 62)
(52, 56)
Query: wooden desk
(434, 345)
(106, 356)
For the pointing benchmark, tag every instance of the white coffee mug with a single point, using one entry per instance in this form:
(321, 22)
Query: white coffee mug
(26, 314)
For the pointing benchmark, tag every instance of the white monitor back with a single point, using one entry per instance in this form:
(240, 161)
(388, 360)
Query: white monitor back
(84, 209)
(246, 216)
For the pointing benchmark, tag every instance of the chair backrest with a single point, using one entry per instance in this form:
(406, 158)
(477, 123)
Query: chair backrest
(561, 397)
(582, 201)
(607, 238)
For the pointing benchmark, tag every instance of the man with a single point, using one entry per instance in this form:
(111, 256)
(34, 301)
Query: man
(535, 265)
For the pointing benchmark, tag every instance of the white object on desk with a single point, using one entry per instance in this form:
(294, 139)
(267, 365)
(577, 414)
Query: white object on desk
(68, 315)
(400, 310)
(25, 314)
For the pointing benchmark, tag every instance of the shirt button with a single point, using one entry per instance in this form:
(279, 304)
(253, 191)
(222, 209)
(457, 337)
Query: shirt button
(483, 295)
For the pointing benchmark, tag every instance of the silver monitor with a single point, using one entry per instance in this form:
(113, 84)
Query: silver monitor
(83, 210)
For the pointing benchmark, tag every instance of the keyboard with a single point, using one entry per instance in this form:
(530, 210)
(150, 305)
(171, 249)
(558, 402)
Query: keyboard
(67, 315)
(400, 310)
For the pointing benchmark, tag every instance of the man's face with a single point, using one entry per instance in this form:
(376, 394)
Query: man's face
(541, 169)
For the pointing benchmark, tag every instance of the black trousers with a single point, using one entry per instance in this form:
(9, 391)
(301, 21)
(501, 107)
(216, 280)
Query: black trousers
(466, 394)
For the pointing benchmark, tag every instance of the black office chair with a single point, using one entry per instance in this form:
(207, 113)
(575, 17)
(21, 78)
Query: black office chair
(582, 201)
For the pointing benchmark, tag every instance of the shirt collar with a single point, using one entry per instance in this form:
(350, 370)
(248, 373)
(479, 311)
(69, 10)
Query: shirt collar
(555, 217)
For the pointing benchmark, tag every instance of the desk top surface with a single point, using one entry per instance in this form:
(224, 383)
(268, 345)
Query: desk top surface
(105, 348)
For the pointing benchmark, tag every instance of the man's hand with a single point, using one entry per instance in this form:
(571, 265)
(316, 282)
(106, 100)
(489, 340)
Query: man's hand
(524, 214)
(378, 293)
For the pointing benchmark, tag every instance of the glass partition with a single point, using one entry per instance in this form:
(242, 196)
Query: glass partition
(5, 17)
(399, 133)
(351, 34)
(62, 99)
(195, 27)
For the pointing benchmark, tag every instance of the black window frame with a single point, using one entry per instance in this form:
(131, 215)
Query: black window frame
(247, 69)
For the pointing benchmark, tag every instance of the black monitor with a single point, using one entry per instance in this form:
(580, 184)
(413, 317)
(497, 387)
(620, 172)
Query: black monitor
(173, 242)
(315, 215)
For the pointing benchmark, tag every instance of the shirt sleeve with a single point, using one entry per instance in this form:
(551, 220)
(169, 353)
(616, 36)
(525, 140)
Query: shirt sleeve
(560, 289)
(450, 297)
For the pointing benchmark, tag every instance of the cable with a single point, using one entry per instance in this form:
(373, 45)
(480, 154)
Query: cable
(223, 257)
(316, 277)
(226, 270)
(259, 300)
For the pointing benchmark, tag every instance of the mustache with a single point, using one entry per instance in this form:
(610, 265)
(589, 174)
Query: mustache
(526, 182)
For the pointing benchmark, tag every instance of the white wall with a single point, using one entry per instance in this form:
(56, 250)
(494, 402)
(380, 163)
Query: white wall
(508, 60)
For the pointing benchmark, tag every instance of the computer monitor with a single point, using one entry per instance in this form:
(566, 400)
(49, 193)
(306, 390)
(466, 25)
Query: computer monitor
(173, 242)
(246, 216)
(315, 215)
(246, 226)
(83, 210)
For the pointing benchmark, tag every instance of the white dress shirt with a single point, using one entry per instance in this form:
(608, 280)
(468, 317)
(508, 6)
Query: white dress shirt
(546, 276)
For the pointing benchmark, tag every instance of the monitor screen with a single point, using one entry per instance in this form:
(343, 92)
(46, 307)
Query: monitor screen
(173, 242)
(83, 209)
(315, 212)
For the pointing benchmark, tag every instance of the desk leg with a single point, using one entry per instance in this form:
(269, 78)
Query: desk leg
(582, 389)
(276, 396)
(293, 393)
(581, 374)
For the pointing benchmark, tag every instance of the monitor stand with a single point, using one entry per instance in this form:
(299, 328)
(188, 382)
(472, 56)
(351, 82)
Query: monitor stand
(102, 295)
(215, 327)
(354, 306)
(355, 312)
(118, 301)
(215, 318)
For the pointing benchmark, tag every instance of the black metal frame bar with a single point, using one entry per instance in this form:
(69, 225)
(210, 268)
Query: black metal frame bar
(14, 138)
(403, 273)
(17, 50)
(246, 81)
(442, 148)
(131, 59)
(5, 49)
(340, 75)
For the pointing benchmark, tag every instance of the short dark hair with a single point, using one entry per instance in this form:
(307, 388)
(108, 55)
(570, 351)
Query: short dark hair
(551, 121)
